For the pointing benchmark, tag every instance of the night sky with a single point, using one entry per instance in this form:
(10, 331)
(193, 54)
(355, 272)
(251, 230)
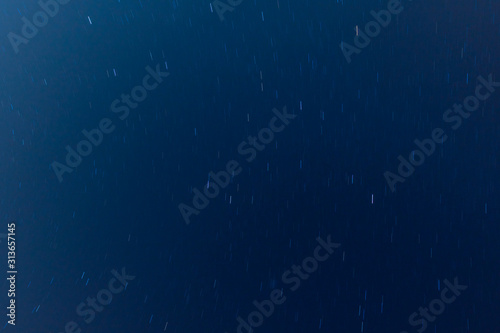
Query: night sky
(250, 166)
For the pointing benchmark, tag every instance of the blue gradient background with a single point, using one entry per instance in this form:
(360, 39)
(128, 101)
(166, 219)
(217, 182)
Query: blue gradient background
(119, 207)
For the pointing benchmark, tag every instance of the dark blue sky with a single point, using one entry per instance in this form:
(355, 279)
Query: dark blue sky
(119, 207)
